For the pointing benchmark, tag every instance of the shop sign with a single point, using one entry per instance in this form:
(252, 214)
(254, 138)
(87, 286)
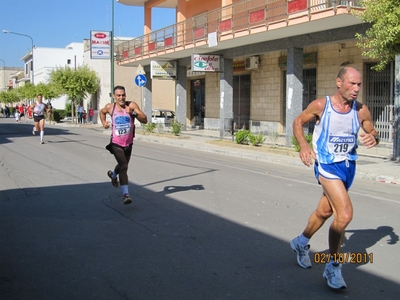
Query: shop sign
(206, 63)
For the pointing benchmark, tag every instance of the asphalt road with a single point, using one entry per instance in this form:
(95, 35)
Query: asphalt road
(201, 225)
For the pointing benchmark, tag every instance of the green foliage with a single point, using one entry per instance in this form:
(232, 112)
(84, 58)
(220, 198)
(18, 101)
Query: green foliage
(49, 91)
(76, 84)
(160, 127)
(382, 40)
(273, 136)
(68, 108)
(149, 127)
(296, 144)
(176, 127)
(242, 137)
(256, 140)
(59, 114)
(9, 97)
(27, 91)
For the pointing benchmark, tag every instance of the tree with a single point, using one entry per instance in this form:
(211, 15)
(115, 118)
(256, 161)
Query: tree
(382, 40)
(9, 97)
(49, 91)
(27, 91)
(76, 84)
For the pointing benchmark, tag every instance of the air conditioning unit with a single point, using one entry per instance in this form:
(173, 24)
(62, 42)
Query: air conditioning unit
(252, 63)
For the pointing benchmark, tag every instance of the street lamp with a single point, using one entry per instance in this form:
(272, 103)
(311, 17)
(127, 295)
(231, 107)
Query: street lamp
(4, 73)
(7, 31)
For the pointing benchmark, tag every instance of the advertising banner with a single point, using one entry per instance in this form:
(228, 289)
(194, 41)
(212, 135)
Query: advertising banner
(100, 44)
(162, 70)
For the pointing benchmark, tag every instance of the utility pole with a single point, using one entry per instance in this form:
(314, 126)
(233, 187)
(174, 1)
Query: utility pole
(396, 140)
(112, 52)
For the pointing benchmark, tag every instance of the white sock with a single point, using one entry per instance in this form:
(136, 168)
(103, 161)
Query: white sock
(124, 189)
(113, 174)
(41, 135)
(303, 241)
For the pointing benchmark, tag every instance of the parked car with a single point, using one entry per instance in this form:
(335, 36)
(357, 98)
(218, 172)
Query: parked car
(163, 116)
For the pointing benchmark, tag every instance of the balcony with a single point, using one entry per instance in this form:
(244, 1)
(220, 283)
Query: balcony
(243, 23)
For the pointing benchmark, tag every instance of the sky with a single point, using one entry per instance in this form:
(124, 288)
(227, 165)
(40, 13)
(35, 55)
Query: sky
(57, 23)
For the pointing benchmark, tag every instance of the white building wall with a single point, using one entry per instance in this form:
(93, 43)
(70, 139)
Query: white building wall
(103, 69)
(49, 59)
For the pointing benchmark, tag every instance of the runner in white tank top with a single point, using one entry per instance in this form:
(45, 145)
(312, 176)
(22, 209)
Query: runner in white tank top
(39, 109)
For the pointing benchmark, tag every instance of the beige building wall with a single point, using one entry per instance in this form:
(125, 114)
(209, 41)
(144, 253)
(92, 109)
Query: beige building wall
(212, 95)
(163, 91)
(267, 95)
(164, 94)
(266, 89)
(330, 57)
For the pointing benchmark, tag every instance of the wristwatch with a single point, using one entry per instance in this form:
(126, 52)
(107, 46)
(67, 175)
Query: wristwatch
(377, 139)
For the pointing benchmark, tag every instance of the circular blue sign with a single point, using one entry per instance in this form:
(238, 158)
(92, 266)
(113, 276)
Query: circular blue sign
(140, 80)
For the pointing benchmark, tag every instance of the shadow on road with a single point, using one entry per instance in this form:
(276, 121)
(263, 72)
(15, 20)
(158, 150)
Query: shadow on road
(22, 130)
(81, 242)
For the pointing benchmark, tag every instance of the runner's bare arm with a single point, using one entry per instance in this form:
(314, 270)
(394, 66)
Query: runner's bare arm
(371, 137)
(135, 110)
(102, 114)
(313, 110)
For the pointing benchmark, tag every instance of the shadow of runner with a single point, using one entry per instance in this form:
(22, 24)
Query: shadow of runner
(81, 242)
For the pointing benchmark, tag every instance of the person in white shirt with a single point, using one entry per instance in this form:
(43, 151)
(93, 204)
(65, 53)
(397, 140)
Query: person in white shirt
(39, 109)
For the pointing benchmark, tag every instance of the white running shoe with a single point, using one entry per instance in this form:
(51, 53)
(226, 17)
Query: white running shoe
(303, 258)
(33, 131)
(333, 276)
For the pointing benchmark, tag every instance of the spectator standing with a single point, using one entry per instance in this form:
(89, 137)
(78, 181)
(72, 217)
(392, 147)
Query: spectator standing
(91, 115)
(6, 111)
(16, 114)
(22, 112)
(80, 113)
(49, 112)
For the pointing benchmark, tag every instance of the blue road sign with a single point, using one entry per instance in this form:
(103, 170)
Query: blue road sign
(140, 80)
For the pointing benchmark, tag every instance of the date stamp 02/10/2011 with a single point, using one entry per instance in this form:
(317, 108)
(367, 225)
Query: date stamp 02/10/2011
(344, 258)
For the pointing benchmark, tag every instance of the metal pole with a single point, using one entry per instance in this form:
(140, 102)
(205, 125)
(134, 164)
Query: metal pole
(4, 74)
(112, 51)
(396, 140)
(33, 74)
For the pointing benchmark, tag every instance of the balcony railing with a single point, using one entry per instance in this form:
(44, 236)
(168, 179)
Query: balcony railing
(228, 22)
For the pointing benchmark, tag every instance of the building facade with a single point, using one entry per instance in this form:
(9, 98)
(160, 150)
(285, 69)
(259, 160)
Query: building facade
(275, 56)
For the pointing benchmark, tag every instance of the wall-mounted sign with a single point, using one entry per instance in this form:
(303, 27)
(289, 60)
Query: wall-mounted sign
(190, 73)
(162, 70)
(206, 63)
(100, 47)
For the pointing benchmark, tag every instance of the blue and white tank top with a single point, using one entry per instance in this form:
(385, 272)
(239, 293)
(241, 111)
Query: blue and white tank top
(335, 136)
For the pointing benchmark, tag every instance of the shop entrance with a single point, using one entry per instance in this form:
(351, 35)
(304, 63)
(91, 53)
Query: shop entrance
(241, 101)
(198, 106)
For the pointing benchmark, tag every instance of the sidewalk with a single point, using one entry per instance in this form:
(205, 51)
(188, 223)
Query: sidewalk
(373, 164)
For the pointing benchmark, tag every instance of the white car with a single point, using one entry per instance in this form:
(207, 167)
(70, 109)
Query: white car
(163, 116)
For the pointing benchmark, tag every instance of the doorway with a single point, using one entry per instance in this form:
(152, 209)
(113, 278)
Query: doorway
(379, 97)
(198, 106)
(241, 101)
